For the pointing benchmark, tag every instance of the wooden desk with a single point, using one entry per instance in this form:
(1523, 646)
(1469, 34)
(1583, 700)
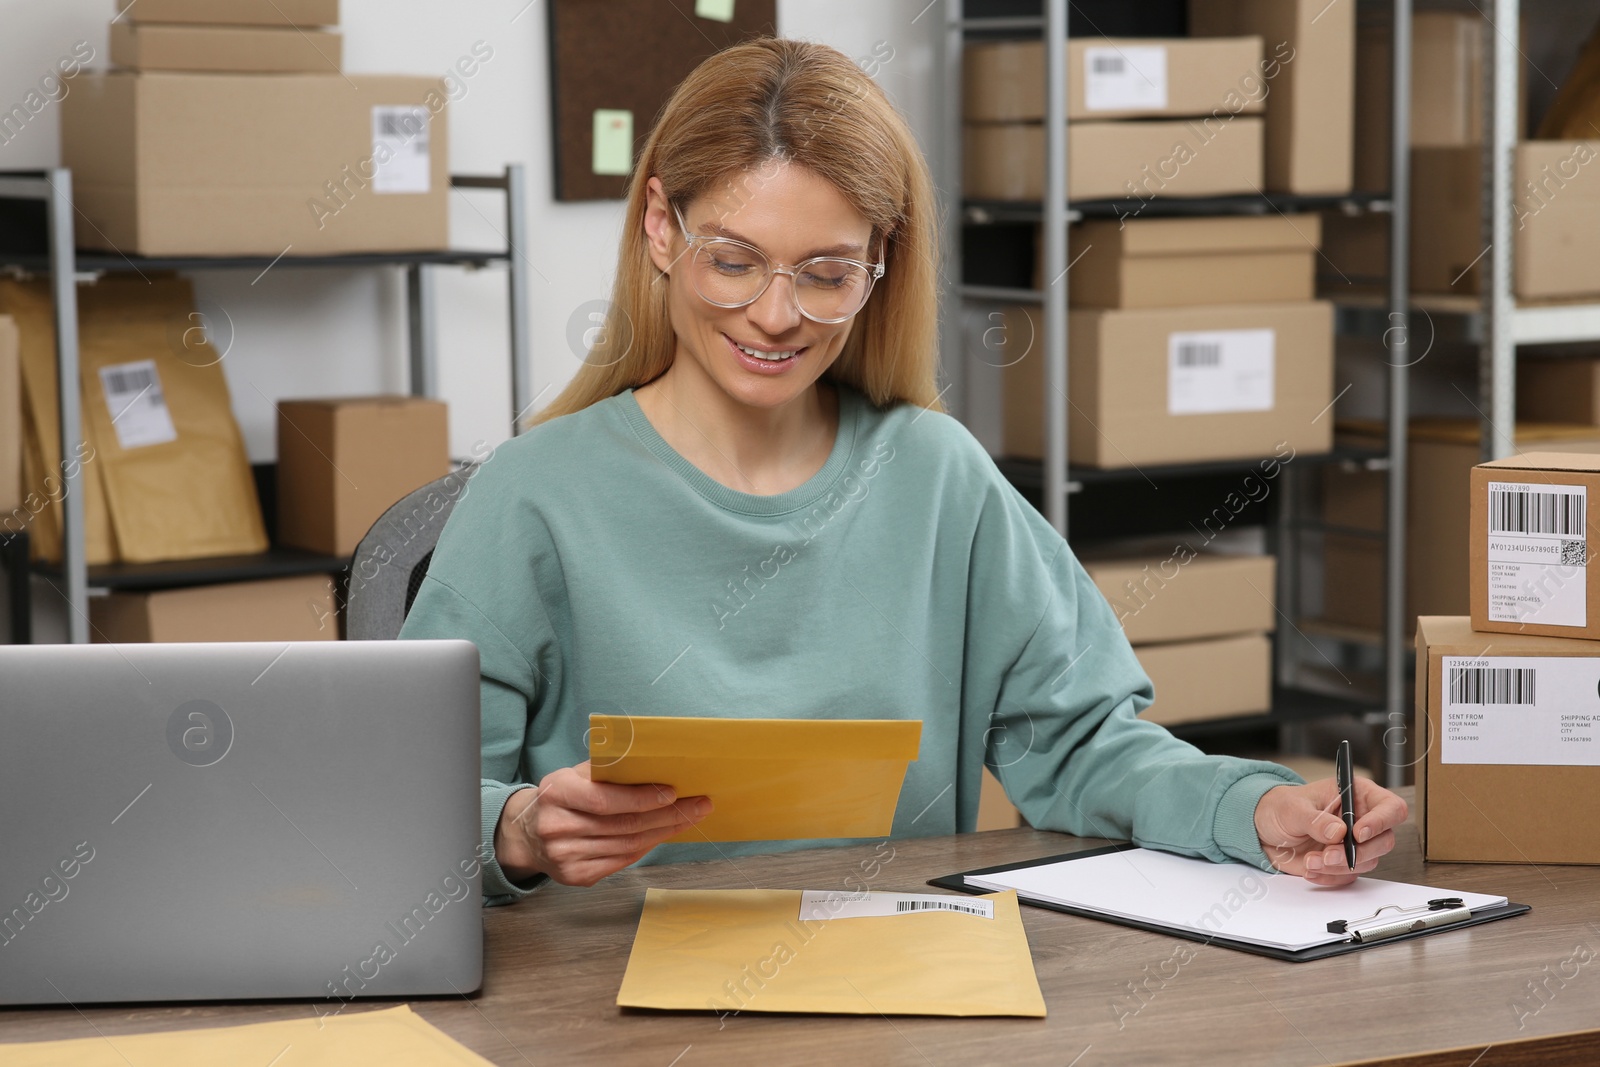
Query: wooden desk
(555, 962)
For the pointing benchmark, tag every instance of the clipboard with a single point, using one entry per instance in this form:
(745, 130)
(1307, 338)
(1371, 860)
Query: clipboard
(1381, 929)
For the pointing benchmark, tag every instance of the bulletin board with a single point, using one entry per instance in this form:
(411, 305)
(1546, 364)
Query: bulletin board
(614, 63)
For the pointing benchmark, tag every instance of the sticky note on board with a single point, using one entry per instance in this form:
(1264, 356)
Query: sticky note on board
(613, 141)
(769, 779)
(717, 10)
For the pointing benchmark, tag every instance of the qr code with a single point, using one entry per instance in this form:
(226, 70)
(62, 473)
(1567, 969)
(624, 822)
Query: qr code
(1574, 553)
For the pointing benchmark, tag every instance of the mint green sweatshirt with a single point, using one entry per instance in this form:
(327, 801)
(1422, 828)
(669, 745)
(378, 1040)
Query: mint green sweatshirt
(597, 570)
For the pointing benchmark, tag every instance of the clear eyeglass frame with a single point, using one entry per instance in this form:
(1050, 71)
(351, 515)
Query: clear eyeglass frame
(698, 241)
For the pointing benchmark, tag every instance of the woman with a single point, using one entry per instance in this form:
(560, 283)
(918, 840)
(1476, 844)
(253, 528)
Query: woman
(749, 502)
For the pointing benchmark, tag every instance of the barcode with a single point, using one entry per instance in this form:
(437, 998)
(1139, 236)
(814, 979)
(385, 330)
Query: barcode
(121, 381)
(1107, 65)
(399, 122)
(1199, 354)
(937, 905)
(1491, 685)
(1520, 511)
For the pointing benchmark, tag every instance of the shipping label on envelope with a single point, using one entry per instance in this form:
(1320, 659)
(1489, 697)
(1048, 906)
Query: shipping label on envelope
(768, 779)
(737, 950)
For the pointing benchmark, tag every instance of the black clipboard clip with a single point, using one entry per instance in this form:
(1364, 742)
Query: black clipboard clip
(1391, 920)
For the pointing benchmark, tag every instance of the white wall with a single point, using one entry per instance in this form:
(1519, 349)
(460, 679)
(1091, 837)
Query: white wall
(322, 333)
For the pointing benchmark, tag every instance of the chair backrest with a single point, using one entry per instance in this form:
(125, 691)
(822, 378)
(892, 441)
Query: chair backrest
(392, 559)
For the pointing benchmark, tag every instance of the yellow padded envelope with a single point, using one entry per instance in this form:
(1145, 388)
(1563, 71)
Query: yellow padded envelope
(768, 779)
(366, 1037)
(750, 950)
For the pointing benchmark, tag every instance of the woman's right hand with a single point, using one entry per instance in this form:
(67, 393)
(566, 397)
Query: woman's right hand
(577, 830)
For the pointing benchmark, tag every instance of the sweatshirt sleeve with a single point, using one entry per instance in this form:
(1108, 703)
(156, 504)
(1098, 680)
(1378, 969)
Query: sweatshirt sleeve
(518, 657)
(1064, 737)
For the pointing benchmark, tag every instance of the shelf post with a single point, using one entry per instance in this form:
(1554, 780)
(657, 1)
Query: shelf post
(517, 233)
(64, 283)
(952, 351)
(422, 322)
(1497, 357)
(1055, 264)
(1399, 353)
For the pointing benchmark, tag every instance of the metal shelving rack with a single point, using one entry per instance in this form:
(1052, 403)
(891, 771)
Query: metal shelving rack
(1058, 480)
(1501, 326)
(65, 267)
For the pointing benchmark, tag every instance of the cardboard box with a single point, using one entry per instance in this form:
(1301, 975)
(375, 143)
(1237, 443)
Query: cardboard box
(1439, 469)
(311, 163)
(1555, 214)
(1180, 384)
(1355, 253)
(10, 418)
(1184, 596)
(995, 810)
(343, 462)
(1446, 88)
(1003, 81)
(1137, 160)
(1529, 537)
(302, 13)
(279, 609)
(236, 49)
(1562, 389)
(1505, 781)
(1309, 49)
(1214, 679)
(1187, 262)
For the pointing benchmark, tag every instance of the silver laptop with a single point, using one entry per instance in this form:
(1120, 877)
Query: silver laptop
(223, 821)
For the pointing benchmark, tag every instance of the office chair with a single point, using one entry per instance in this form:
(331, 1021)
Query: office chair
(392, 559)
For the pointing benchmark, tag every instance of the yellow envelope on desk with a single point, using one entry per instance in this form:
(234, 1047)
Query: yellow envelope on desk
(392, 1036)
(769, 950)
(768, 779)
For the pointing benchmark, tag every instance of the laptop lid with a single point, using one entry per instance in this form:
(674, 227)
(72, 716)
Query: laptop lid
(222, 821)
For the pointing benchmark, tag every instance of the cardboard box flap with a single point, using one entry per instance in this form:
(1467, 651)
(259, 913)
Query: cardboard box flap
(1204, 236)
(1549, 461)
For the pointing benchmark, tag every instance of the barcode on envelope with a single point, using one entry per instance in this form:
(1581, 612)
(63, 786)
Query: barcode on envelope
(1492, 685)
(903, 906)
(130, 381)
(1530, 512)
(1107, 65)
(1199, 354)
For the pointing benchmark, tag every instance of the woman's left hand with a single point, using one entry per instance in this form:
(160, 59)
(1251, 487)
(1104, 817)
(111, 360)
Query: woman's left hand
(1302, 833)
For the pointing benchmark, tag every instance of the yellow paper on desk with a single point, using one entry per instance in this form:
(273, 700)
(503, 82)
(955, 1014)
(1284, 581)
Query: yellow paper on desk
(768, 779)
(394, 1035)
(752, 950)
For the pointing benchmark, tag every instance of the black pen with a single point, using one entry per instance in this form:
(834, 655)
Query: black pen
(1344, 774)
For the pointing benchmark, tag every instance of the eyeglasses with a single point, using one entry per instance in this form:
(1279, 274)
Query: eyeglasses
(732, 274)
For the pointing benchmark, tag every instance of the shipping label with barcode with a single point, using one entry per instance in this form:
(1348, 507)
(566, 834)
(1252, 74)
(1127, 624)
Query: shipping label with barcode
(400, 150)
(836, 904)
(1538, 554)
(1215, 371)
(1537, 710)
(1126, 78)
(136, 404)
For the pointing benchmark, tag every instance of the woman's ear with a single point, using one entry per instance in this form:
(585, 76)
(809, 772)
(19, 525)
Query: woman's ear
(660, 227)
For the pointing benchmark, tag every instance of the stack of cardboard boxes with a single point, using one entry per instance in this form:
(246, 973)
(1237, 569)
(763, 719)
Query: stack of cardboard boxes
(1556, 186)
(298, 157)
(1190, 339)
(1148, 117)
(1200, 625)
(1508, 697)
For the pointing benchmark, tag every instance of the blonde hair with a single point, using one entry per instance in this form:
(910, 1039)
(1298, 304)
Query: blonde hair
(747, 108)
